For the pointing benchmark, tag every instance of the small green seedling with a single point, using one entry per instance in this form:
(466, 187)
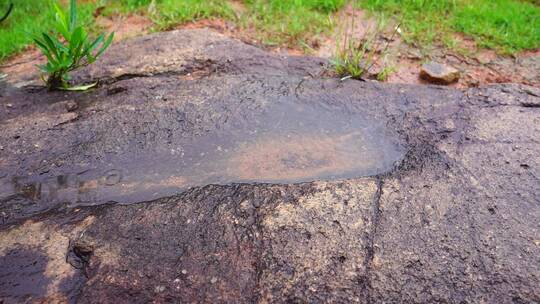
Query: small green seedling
(73, 50)
(357, 55)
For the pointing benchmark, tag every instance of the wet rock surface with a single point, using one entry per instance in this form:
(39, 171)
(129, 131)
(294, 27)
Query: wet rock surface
(453, 216)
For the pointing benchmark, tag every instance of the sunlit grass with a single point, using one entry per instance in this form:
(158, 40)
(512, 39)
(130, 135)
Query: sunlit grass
(508, 26)
(505, 25)
(30, 16)
(290, 22)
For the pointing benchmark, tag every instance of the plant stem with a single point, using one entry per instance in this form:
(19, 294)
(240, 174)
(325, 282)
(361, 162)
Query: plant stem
(56, 82)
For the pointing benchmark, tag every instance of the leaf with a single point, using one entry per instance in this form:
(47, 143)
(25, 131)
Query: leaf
(42, 45)
(45, 50)
(72, 14)
(52, 46)
(80, 88)
(62, 25)
(60, 46)
(105, 45)
(78, 38)
(94, 44)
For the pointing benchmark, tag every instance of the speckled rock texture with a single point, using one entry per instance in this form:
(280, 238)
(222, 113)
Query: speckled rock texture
(456, 221)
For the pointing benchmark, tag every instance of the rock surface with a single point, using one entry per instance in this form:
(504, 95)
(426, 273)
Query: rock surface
(457, 220)
(439, 73)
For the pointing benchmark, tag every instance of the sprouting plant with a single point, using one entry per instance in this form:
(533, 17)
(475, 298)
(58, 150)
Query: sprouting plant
(356, 56)
(385, 73)
(355, 59)
(73, 50)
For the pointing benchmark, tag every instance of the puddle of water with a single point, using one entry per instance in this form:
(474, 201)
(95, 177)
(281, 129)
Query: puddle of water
(287, 142)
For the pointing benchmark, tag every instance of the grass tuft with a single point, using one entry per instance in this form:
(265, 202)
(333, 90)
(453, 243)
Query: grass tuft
(356, 56)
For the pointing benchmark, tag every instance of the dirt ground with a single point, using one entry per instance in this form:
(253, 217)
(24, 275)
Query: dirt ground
(478, 67)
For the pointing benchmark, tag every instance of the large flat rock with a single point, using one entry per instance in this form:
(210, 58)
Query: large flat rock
(206, 170)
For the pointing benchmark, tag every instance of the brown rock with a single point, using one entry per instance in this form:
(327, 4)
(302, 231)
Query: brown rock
(71, 105)
(439, 73)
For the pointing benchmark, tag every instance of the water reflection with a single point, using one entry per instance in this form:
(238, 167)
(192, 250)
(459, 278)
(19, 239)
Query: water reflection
(77, 187)
(287, 142)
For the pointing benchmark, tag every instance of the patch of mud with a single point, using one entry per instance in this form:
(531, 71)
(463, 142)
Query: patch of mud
(305, 157)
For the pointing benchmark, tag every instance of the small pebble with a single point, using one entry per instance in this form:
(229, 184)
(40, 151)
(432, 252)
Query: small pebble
(439, 73)
(71, 106)
(159, 288)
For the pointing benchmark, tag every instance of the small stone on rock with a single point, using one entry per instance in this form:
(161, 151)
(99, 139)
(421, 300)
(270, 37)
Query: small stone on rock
(159, 288)
(449, 125)
(439, 73)
(71, 106)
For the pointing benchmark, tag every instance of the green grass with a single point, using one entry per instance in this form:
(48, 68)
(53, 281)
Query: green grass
(290, 22)
(507, 26)
(29, 16)
(276, 22)
(510, 25)
(168, 13)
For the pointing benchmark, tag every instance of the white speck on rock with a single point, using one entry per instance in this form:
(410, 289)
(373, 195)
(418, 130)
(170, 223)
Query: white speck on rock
(159, 288)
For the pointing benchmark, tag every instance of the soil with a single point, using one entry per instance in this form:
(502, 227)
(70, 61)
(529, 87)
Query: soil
(478, 67)
(453, 218)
